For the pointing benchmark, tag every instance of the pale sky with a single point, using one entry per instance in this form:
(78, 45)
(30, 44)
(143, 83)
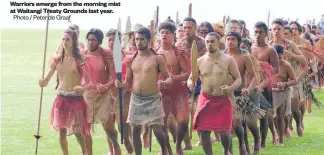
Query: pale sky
(142, 11)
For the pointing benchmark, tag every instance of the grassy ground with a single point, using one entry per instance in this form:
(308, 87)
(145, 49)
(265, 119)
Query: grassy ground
(22, 52)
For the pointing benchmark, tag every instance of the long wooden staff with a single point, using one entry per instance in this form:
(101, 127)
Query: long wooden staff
(268, 20)
(152, 28)
(190, 10)
(37, 136)
(194, 57)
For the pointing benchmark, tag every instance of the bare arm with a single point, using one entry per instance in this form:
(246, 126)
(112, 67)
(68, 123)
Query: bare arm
(113, 75)
(234, 71)
(51, 71)
(185, 70)
(164, 70)
(250, 72)
(297, 54)
(300, 58)
(291, 76)
(190, 80)
(274, 60)
(129, 77)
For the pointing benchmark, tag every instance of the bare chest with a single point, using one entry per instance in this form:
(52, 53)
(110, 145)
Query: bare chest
(260, 53)
(141, 65)
(210, 68)
(67, 67)
(170, 59)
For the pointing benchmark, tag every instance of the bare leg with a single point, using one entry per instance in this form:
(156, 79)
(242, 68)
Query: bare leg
(110, 146)
(287, 127)
(165, 130)
(88, 142)
(199, 139)
(296, 112)
(81, 140)
(264, 126)
(255, 132)
(127, 135)
(245, 131)
(182, 121)
(206, 142)
(281, 122)
(112, 134)
(137, 142)
(226, 140)
(161, 138)
(302, 108)
(272, 128)
(217, 137)
(172, 126)
(187, 142)
(63, 141)
(146, 137)
(240, 135)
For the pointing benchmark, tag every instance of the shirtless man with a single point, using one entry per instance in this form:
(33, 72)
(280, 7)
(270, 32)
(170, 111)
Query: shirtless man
(304, 46)
(268, 58)
(185, 43)
(71, 70)
(204, 28)
(282, 93)
(288, 33)
(298, 62)
(77, 30)
(180, 32)
(235, 26)
(99, 97)
(174, 96)
(142, 75)
(126, 94)
(215, 70)
(244, 108)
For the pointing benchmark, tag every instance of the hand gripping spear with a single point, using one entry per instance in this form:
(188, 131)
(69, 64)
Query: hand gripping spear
(37, 136)
(118, 67)
(194, 57)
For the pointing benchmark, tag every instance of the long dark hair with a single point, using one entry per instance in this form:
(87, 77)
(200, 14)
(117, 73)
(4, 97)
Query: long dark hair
(75, 52)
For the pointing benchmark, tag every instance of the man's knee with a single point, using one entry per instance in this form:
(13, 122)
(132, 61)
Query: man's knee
(62, 133)
(225, 133)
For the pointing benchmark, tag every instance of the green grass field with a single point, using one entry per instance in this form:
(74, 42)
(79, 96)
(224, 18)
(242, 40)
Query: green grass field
(22, 53)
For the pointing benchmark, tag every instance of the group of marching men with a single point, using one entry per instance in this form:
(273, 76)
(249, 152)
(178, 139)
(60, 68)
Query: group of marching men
(234, 82)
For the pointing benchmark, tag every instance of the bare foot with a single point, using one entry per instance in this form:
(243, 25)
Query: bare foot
(129, 147)
(256, 147)
(243, 150)
(275, 139)
(146, 141)
(228, 153)
(179, 151)
(198, 144)
(288, 134)
(281, 145)
(299, 131)
(188, 147)
(109, 153)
